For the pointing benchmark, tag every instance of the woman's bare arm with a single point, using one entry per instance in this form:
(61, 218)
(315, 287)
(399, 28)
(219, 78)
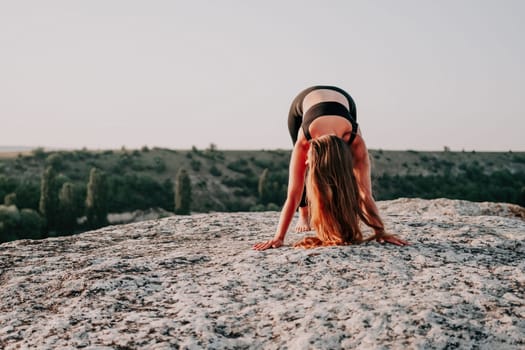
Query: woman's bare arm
(363, 177)
(296, 180)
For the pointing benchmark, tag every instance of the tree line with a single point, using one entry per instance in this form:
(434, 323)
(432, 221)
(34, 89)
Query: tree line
(62, 210)
(472, 184)
(65, 204)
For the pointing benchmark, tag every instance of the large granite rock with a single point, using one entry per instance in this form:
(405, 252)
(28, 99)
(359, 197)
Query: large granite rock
(192, 282)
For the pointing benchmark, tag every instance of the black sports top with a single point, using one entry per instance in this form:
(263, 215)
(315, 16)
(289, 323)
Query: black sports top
(324, 108)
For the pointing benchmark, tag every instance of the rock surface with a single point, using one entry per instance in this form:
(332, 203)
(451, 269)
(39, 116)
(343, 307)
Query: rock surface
(193, 282)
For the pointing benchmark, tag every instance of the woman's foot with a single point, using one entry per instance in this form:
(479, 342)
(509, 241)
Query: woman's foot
(303, 224)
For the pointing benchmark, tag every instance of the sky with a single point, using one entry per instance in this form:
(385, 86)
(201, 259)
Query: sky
(103, 74)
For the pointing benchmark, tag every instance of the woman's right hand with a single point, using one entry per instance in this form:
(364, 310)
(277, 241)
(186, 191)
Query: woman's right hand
(272, 243)
(392, 240)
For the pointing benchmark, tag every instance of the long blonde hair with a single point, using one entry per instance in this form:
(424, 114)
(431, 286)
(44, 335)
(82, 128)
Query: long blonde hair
(334, 202)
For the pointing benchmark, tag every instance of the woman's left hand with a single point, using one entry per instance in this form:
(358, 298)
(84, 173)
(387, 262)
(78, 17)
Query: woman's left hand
(392, 240)
(272, 243)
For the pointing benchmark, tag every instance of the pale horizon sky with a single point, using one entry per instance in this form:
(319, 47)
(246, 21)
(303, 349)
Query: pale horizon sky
(176, 74)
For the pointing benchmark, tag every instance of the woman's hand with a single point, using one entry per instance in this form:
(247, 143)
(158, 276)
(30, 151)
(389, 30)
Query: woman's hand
(272, 243)
(392, 240)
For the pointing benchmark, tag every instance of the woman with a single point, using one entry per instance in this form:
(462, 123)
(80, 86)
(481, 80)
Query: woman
(328, 142)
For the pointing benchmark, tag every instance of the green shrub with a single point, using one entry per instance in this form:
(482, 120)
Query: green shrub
(160, 165)
(138, 166)
(183, 193)
(196, 151)
(10, 199)
(48, 205)
(55, 160)
(39, 153)
(262, 187)
(241, 166)
(31, 224)
(20, 165)
(272, 207)
(80, 155)
(234, 204)
(67, 216)
(7, 185)
(212, 153)
(518, 158)
(258, 207)
(132, 192)
(241, 192)
(264, 163)
(195, 165)
(9, 222)
(19, 224)
(96, 199)
(202, 184)
(214, 171)
(124, 161)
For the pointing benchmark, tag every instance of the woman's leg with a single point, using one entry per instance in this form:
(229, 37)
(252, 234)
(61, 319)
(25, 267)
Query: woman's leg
(294, 125)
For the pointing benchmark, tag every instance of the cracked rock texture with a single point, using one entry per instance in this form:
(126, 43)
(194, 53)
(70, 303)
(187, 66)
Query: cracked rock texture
(192, 282)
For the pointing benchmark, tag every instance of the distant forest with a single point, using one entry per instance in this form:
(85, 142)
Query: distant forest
(65, 192)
